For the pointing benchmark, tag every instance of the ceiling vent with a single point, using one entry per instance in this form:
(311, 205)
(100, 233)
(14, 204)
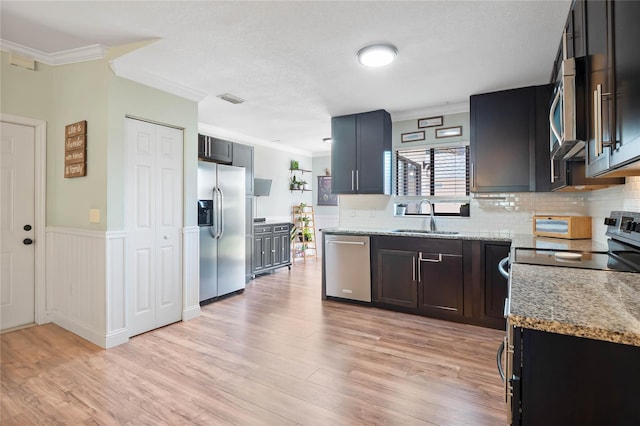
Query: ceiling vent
(231, 98)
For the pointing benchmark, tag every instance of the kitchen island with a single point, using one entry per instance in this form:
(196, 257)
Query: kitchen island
(601, 305)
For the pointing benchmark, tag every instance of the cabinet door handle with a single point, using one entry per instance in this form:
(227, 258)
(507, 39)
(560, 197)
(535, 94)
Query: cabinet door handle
(597, 118)
(352, 180)
(357, 180)
(473, 178)
(413, 260)
(439, 259)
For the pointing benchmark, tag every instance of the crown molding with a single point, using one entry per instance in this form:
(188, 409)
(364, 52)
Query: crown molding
(64, 57)
(221, 133)
(157, 82)
(452, 108)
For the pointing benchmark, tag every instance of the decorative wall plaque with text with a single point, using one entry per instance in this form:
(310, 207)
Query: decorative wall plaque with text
(75, 149)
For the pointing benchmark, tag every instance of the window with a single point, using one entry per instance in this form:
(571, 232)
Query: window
(438, 173)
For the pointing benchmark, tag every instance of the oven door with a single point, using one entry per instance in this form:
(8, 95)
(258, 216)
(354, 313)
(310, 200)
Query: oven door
(505, 351)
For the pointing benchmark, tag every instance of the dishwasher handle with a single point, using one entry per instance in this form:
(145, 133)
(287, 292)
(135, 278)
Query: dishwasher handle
(351, 243)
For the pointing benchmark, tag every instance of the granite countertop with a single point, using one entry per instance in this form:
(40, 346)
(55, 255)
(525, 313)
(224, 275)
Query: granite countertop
(601, 305)
(516, 240)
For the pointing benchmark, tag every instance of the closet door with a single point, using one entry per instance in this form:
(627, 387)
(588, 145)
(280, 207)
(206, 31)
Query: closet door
(154, 217)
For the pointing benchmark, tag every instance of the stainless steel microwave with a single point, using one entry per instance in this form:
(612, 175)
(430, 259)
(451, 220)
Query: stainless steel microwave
(566, 113)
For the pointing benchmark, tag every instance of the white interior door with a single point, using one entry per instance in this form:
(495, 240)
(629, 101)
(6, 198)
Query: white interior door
(17, 217)
(154, 212)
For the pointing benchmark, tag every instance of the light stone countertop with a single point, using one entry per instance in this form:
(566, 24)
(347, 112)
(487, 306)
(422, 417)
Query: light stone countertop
(516, 240)
(601, 305)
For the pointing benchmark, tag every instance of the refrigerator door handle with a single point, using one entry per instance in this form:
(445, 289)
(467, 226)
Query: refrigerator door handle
(218, 209)
(221, 213)
(212, 229)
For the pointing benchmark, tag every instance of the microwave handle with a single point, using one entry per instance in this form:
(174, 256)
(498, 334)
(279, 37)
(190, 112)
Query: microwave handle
(552, 110)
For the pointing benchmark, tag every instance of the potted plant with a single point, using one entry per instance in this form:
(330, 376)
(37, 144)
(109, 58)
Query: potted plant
(307, 234)
(294, 183)
(401, 209)
(306, 221)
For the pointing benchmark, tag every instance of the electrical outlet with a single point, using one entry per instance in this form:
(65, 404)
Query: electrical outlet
(372, 213)
(94, 215)
(353, 212)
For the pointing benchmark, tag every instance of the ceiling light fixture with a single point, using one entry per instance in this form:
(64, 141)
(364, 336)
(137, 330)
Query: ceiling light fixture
(231, 98)
(327, 140)
(377, 54)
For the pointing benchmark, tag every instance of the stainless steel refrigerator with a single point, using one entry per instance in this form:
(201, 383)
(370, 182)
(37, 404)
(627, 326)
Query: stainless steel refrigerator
(221, 210)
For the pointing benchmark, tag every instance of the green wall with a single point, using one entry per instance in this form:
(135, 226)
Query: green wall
(23, 92)
(79, 92)
(90, 91)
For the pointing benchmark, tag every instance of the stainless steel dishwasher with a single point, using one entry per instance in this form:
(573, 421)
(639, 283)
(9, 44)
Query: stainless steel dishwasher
(347, 263)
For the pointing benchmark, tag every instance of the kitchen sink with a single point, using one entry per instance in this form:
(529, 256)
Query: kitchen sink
(424, 231)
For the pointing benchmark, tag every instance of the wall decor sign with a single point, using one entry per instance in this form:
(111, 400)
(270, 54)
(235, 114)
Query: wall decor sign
(447, 132)
(412, 137)
(429, 122)
(75, 149)
(325, 197)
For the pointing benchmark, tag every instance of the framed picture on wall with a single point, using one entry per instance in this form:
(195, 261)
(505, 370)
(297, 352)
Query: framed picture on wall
(325, 197)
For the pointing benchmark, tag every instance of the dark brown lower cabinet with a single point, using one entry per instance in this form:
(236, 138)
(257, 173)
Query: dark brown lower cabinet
(563, 380)
(495, 285)
(396, 271)
(441, 284)
(451, 279)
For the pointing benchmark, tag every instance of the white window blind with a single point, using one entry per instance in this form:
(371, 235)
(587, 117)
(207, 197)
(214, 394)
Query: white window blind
(433, 172)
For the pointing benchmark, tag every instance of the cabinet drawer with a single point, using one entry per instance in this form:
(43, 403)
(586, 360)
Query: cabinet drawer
(262, 229)
(437, 246)
(281, 228)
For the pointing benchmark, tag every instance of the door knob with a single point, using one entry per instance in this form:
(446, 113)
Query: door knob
(27, 241)
(27, 227)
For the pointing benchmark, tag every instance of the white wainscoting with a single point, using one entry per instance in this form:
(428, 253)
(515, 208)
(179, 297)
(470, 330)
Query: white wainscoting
(116, 297)
(86, 282)
(190, 273)
(76, 271)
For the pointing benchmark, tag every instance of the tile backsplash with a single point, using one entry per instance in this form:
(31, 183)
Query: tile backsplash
(506, 213)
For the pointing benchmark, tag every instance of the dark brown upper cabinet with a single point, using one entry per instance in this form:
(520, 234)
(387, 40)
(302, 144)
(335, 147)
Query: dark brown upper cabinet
(509, 147)
(361, 153)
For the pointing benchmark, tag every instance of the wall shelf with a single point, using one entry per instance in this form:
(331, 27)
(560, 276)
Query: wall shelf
(303, 171)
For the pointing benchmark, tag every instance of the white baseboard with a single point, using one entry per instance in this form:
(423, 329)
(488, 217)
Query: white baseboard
(94, 336)
(116, 338)
(191, 313)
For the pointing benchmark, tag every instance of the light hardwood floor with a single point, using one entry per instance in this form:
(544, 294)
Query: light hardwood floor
(275, 355)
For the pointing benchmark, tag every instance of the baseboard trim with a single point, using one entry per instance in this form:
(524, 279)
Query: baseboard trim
(81, 330)
(117, 337)
(191, 313)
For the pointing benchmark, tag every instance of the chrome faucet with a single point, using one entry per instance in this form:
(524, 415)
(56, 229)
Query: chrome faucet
(432, 222)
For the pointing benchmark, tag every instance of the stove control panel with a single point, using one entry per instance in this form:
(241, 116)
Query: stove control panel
(624, 226)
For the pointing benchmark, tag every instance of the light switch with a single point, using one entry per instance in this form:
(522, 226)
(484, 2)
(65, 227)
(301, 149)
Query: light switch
(94, 215)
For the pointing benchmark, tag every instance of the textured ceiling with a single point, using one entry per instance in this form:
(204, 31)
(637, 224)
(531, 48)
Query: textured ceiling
(294, 62)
